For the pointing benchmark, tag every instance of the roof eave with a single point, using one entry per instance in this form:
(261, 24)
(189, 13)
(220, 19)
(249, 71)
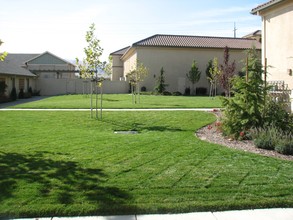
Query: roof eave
(18, 74)
(188, 47)
(51, 55)
(116, 52)
(129, 49)
(257, 10)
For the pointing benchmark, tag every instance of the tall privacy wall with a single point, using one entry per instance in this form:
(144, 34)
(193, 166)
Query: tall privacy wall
(77, 86)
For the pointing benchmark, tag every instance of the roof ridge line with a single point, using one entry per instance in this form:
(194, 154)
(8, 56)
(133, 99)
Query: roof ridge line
(195, 36)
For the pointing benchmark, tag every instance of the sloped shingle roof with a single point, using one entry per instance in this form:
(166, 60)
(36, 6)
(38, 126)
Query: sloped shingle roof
(197, 42)
(12, 65)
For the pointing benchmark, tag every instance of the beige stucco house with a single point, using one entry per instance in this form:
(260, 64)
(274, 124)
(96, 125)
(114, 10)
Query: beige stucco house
(277, 39)
(175, 53)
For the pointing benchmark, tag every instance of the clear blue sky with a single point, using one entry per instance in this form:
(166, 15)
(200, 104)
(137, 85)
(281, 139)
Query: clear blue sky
(59, 26)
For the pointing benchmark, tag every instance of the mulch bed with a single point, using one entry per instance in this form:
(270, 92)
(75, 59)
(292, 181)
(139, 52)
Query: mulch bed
(211, 134)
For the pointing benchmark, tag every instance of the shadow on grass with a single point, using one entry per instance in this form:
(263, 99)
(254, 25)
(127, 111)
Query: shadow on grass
(66, 182)
(118, 126)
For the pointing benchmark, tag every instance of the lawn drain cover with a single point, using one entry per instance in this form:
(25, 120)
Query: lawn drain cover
(125, 132)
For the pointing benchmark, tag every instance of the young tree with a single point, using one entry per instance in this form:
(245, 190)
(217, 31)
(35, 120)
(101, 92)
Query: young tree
(209, 66)
(135, 77)
(227, 72)
(208, 74)
(4, 54)
(107, 66)
(214, 73)
(161, 86)
(193, 75)
(89, 67)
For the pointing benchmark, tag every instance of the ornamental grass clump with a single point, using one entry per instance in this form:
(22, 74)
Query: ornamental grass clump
(265, 138)
(272, 138)
(285, 144)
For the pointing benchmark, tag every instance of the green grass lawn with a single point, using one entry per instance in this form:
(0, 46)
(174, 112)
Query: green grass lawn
(125, 101)
(66, 164)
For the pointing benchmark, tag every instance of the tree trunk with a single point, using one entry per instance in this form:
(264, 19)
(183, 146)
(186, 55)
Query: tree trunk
(96, 87)
(101, 110)
(91, 99)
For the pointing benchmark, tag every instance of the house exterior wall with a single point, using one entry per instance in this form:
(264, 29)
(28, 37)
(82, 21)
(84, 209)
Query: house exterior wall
(177, 63)
(52, 86)
(41, 70)
(277, 41)
(129, 63)
(117, 68)
(19, 82)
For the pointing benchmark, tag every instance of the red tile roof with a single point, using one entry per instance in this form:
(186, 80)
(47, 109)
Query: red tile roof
(265, 5)
(120, 52)
(197, 42)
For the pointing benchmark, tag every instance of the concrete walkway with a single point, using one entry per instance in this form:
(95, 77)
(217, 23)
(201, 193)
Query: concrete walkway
(21, 101)
(112, 110)
(258, 214)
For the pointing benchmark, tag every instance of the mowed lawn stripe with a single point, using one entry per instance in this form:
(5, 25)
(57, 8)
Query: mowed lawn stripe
(67, 164)
(122, 101)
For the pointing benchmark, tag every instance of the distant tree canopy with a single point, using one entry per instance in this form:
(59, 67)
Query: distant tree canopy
(227, 72)
(194, 76)
(160, 84)
(135, 77)
(93, 51)
(214, 74)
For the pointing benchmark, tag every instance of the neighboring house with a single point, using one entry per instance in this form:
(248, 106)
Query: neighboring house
(175, 53)
(15, 75)
(256, 35)
(117, 64)
(48, 65)
(277, 39)
(22, 71)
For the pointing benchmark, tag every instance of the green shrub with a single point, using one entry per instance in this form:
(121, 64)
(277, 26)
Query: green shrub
(285, 147)
(13, 95)
(275, 114)
(266, 138)
(187, 91)
(166, 93)
(30, 90)
(272, 138)
(148, 93)
(285, 144)
(36, 92)
(177, 93)
(21, 94)
(160, 82)
(201, 91)
(27, 95)
(244, 110)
